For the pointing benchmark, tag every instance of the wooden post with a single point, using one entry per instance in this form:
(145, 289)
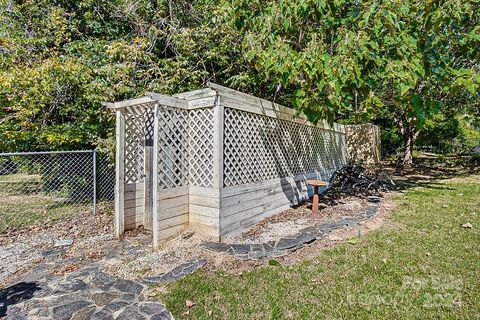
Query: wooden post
(218, 118)
(315, 201)
(148, 188)
(155, 179)
(218, 114)
(119, 173)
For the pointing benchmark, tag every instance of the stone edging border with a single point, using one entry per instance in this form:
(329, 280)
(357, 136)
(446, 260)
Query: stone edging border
(176, 273)
(282, 247)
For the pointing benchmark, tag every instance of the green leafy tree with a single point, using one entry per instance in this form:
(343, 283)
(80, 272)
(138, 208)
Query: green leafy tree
(332, 57)
(60, 59)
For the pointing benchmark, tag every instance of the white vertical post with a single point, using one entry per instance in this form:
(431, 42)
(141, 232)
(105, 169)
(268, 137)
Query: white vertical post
(119, 173)
(148, 173)
(147, 212)
(155, 179)
(218, 114)
(94, 159)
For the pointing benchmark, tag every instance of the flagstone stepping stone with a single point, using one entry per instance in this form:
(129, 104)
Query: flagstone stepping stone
(176, 273)
(85, 294)
(90, 293)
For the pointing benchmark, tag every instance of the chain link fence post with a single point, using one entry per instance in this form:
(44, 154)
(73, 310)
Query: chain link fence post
(94, 156)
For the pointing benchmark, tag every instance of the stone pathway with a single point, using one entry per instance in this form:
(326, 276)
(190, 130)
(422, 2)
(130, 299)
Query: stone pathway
(79, 288)
(282, 247)
(84, 294)
(88, 293)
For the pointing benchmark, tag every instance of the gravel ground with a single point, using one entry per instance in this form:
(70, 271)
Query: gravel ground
(21, 250)
(290, 222)
(140, 260)
(132, 256)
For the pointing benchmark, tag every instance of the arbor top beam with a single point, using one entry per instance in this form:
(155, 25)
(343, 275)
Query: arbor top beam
(217, 94)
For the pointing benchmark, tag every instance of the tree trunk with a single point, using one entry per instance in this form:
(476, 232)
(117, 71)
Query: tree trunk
(170, 9)
(408, 153)
(410, 136)
(409, 132)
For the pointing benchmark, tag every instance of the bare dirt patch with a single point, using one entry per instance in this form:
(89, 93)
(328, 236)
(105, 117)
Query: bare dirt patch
(22, 249)
(342, 235)
(136, 260)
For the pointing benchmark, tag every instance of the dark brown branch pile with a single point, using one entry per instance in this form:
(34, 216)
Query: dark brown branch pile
(355, 180)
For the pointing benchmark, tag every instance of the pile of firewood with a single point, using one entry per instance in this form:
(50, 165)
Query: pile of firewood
(359, 181)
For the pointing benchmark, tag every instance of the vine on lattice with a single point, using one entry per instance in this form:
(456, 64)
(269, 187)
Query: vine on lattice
(258, 148)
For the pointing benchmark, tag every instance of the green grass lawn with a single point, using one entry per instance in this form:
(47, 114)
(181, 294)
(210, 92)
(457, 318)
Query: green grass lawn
(29, 210)
(423, 265)
(23, 204)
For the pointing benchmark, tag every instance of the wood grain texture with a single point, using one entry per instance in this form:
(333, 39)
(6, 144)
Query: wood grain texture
(191, 189)
(119, 173)
(244, 205)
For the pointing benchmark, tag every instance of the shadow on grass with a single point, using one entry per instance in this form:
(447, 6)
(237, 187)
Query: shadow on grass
(16, 293)
(428, 169)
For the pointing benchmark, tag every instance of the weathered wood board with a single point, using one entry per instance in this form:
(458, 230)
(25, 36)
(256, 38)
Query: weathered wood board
(221, 160)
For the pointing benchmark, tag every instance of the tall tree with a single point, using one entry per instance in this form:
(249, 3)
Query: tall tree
(335, 56)
(60, 59)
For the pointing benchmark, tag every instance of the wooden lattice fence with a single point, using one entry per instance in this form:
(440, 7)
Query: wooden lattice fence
(216, 159)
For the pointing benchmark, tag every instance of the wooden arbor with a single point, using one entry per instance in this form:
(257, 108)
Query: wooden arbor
(215, 159)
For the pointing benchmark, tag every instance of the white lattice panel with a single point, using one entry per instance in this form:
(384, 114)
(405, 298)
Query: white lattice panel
(185, 147)
(258, 148)
(149, 119)
(172, 147)
(134, 143)
(201, 147)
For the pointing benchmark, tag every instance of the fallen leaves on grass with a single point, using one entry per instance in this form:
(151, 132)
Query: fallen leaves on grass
(467, 225)
(354, 240)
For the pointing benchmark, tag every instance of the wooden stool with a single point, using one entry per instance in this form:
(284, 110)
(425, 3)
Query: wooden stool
(316, 184)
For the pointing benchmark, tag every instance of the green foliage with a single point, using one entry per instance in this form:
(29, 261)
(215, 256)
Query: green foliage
(439, 134)
(469, 136)
(334, 49)
(400, 61)
(60, 59)
(338, 57)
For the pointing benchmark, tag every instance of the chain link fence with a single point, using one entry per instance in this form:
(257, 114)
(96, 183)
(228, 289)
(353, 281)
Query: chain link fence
(41, 187)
